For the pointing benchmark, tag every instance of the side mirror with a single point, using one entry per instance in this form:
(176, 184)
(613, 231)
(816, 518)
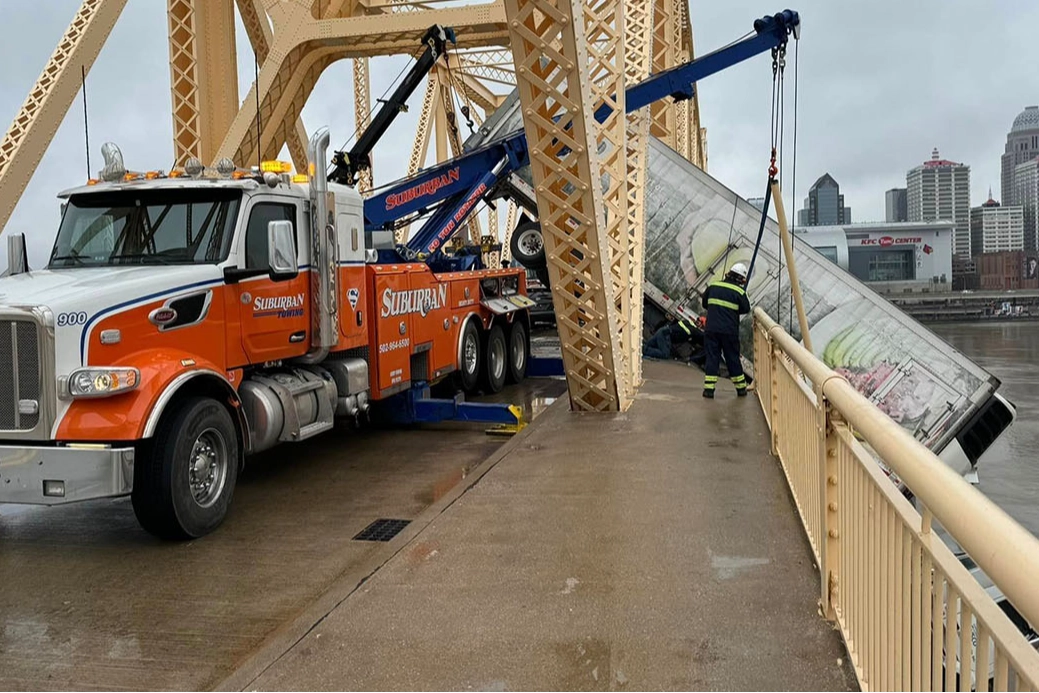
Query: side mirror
(281, 251)
(17, 257)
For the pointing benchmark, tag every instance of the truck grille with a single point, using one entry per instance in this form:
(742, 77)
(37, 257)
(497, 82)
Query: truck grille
(19, 375)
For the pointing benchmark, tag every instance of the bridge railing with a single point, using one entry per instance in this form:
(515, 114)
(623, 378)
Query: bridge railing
(902, 600)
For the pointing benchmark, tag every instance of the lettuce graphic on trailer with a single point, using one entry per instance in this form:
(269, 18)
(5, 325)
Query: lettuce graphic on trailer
(864, 352)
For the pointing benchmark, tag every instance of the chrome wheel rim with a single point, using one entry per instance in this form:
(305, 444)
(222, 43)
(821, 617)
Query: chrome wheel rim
(472, 351)
(530, 242)
(207, 467)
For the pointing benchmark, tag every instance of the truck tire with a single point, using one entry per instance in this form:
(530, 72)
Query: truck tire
(183, 486)
(519, 352)
(495, 360)
(528, 245)
(470, 358)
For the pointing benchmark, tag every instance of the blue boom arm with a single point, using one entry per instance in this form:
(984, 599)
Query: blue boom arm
(454, 187)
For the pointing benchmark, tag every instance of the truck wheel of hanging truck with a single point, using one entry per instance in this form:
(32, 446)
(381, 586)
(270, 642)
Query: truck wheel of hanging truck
(528, 245)
(185, 478)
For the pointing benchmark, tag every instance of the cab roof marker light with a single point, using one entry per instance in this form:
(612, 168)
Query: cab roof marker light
(301, 178)
(275, 167)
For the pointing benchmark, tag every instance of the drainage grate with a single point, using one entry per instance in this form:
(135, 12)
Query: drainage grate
(382, 530)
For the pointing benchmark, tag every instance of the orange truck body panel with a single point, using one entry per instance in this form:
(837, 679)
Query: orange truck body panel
(395, 311)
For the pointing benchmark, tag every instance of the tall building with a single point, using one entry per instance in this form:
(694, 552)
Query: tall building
(1022, 145)
(995, 229)
(1026, 193)
(824, 204)
(939, 190)
(895, 205)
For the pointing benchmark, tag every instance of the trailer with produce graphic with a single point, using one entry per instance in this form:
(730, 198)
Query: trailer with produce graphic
(696, 229)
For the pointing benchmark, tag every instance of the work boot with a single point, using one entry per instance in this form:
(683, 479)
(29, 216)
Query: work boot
(741, 392)
(709, 394)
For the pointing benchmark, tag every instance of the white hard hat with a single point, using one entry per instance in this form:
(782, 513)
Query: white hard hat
(739, 269)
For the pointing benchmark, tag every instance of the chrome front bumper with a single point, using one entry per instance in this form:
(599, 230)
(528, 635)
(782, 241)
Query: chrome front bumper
(52, 476)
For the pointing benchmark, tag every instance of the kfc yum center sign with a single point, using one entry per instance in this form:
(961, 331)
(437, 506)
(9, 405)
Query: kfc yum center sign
(886, 241)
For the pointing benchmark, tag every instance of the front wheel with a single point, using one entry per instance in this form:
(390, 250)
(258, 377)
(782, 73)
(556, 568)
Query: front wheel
(183, 485)
(519, 352)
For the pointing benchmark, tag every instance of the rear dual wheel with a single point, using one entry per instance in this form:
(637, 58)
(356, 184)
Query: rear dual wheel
(470, 360)
(519, 352)
(496, 360)
(489, 361)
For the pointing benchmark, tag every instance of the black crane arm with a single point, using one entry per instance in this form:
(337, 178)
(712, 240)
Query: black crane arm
(347, 166)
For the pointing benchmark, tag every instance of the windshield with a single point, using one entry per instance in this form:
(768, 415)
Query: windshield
(139, 227)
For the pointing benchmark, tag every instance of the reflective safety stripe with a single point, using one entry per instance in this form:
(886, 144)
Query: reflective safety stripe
(708, 386)
(738, 379)
(727, 285)
(710, 378)
(723, 304)
(685, 328)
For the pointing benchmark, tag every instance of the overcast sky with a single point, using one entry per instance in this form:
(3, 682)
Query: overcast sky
(881, 84)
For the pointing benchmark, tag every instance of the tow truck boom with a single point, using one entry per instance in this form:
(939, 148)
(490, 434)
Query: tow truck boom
(452, 189)
(347, 166)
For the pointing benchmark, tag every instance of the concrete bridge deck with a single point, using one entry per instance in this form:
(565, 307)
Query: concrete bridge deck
(656, 549)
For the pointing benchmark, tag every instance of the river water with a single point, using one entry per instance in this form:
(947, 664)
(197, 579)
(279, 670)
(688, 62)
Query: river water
(1009, 470)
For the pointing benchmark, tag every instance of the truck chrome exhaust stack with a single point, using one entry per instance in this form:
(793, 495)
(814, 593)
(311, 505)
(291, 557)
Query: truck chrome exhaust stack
(323, 277)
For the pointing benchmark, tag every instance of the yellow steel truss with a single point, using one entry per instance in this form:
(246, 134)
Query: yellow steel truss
(553, 71)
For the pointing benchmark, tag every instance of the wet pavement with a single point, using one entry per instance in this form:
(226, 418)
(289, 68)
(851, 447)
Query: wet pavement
(1009, 470)
(657, 549)
(88, 600)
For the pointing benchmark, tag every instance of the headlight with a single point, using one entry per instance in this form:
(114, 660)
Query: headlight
(102, 382)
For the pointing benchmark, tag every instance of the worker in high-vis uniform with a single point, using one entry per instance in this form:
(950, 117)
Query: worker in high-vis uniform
(725, 301)
(663, 342)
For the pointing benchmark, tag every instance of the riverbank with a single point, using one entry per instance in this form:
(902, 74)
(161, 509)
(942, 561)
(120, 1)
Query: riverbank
(969, 306)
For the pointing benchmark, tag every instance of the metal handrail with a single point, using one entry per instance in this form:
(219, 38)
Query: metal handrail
(1006, 551)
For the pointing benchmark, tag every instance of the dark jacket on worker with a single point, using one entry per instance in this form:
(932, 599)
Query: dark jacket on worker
(725, 303)
(682, 331)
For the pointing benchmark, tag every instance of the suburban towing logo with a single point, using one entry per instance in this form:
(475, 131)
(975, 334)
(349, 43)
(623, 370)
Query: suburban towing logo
(420, 301)
(280, 306)
(423, 189)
